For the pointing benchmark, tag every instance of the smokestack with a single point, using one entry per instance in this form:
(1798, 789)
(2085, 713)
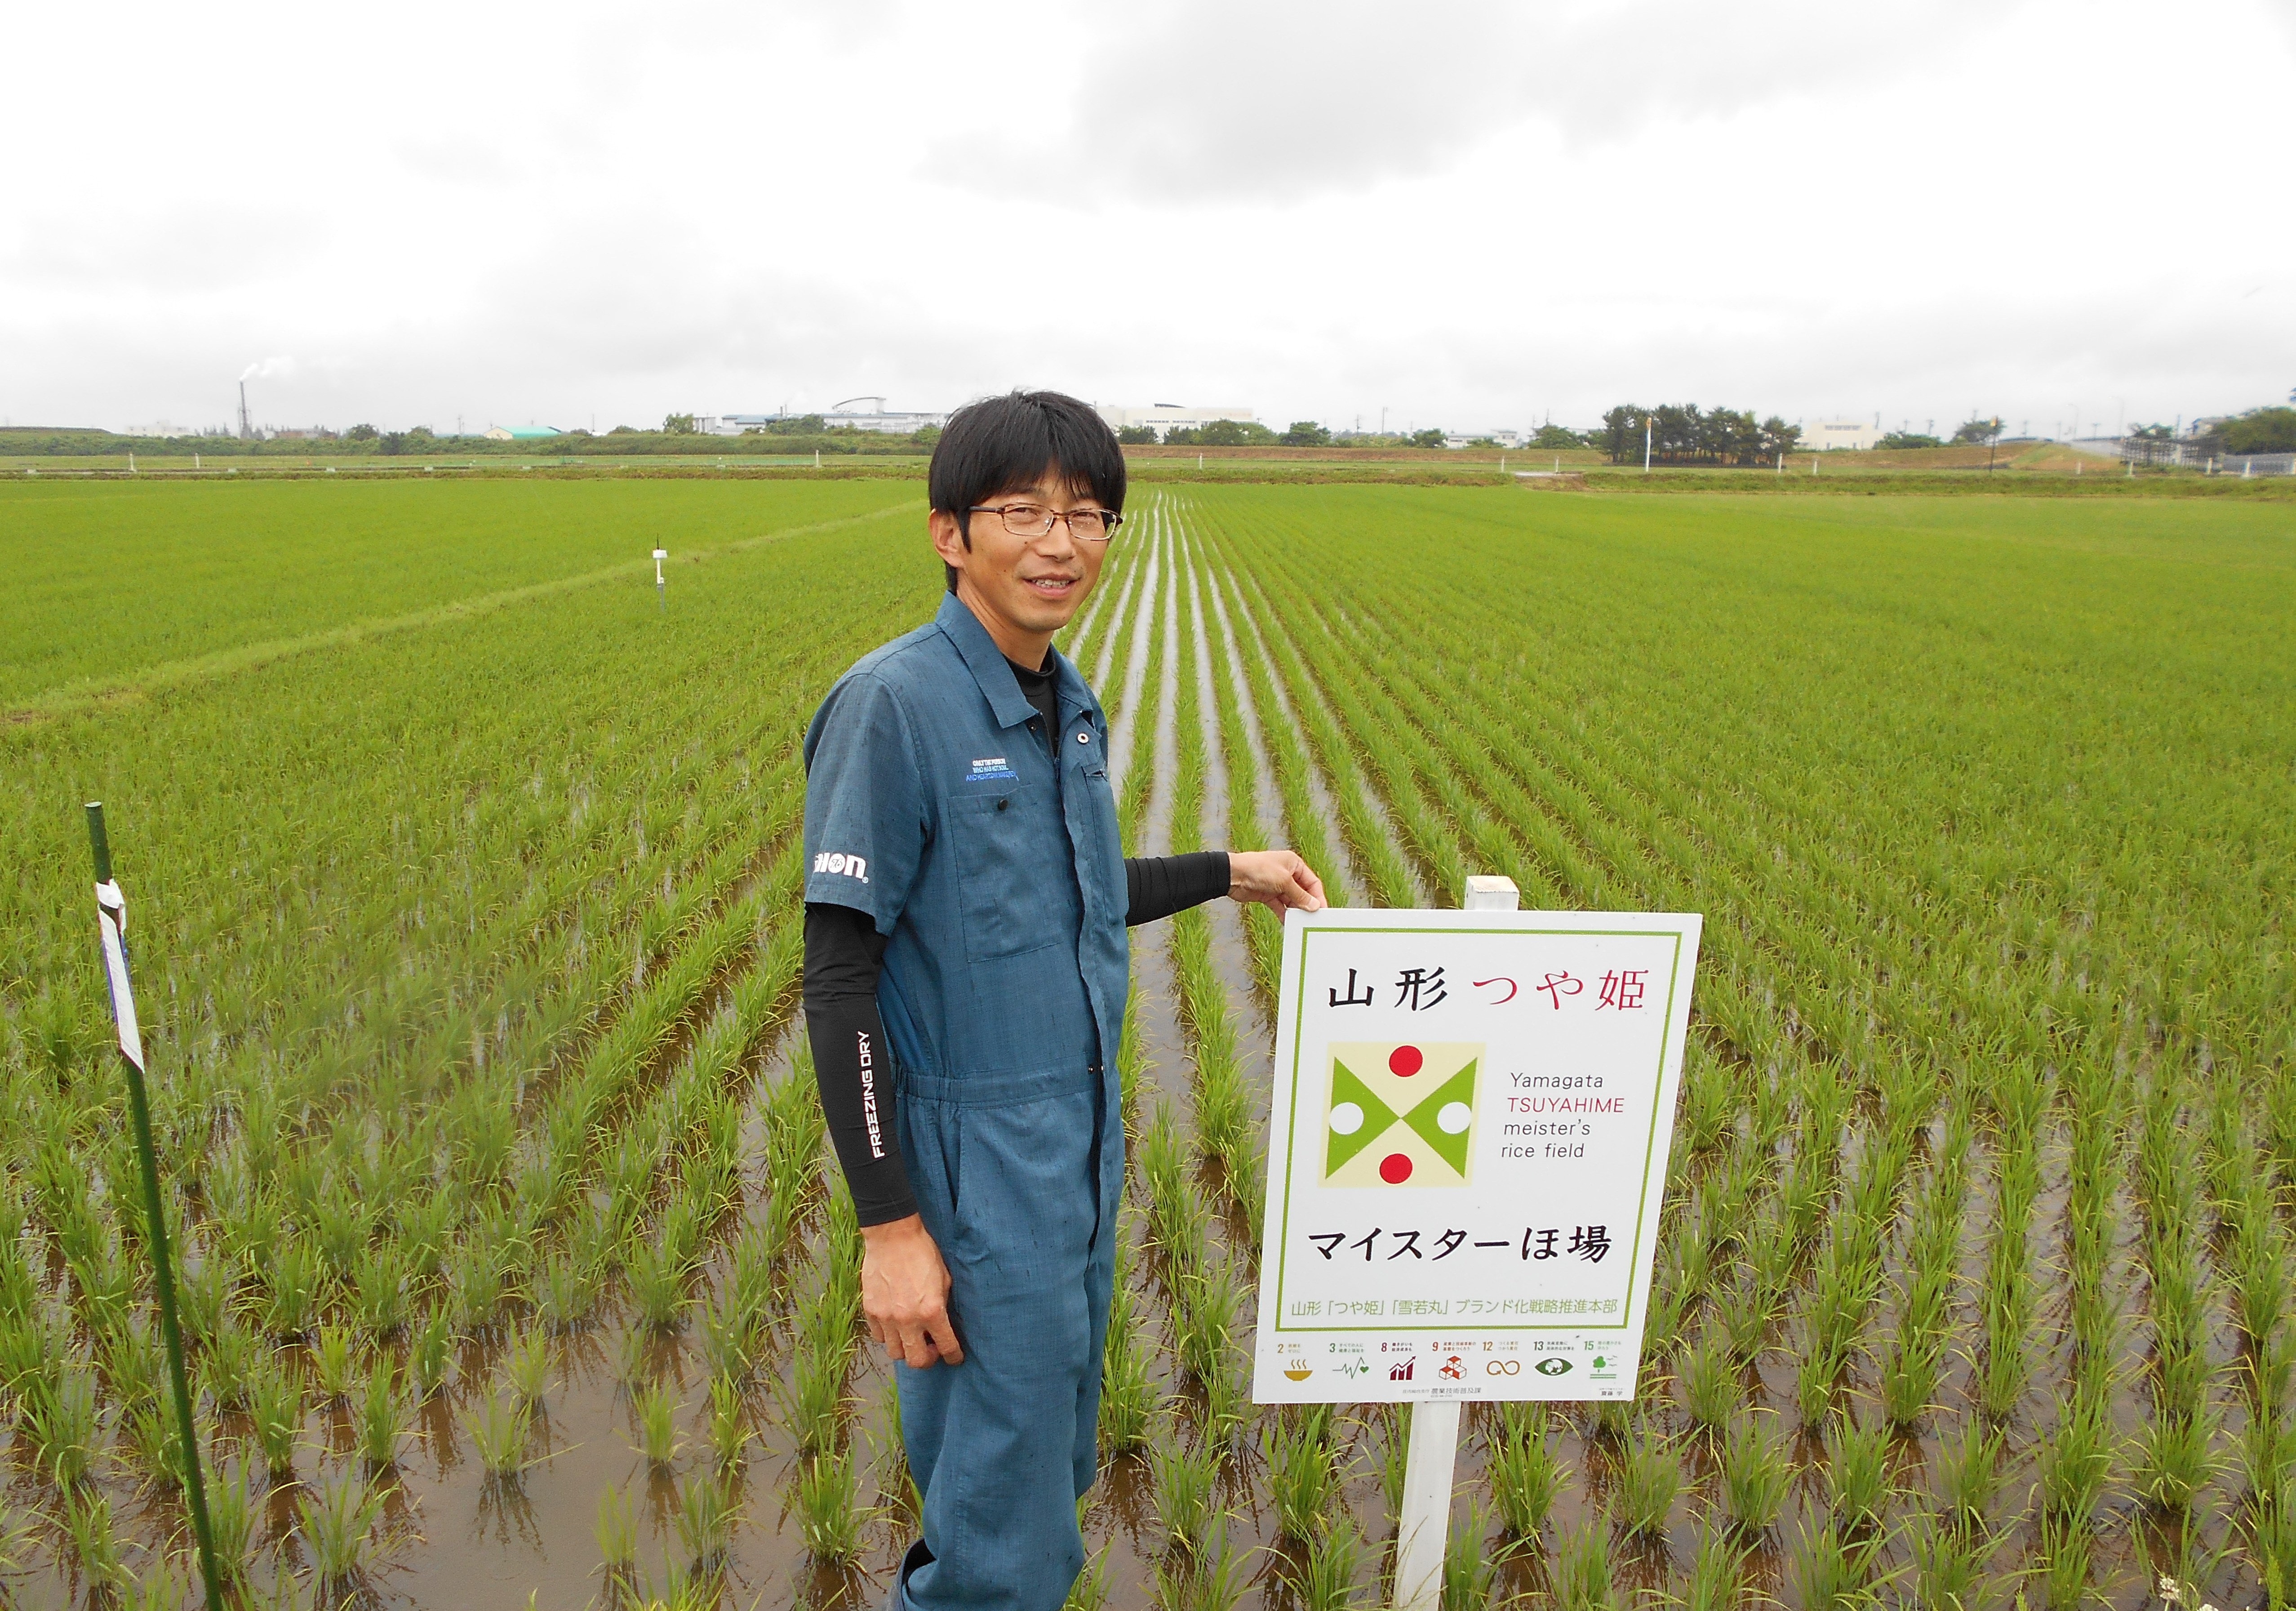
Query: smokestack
(246, 430)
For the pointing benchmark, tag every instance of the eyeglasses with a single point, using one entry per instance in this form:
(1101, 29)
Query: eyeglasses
(1034, 520)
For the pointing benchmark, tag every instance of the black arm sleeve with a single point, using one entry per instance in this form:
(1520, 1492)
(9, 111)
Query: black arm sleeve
(1157, 886)
(844, 953)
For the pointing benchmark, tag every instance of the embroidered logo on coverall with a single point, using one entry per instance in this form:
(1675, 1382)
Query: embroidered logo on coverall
(1401, 1115)
(990, 767)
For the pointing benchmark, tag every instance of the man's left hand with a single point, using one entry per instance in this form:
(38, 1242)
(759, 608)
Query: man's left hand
(1276, 879)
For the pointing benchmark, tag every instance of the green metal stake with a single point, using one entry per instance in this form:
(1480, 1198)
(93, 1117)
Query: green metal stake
(112, 919)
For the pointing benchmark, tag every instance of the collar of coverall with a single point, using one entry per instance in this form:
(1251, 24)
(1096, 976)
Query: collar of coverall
(994, 672)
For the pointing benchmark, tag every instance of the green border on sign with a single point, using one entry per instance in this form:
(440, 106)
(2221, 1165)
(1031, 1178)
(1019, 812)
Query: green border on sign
(1650, 1141)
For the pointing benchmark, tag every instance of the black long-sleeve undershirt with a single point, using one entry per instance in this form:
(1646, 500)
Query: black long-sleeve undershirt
(844, 955)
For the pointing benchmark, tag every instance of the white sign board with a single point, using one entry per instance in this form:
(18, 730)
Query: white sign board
(1466, 1152)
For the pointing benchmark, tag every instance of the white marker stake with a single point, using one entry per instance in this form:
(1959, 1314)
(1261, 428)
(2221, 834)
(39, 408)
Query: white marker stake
(1423, 1527)
(660, 593)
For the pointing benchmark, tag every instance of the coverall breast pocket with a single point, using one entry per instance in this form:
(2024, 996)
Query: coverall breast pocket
(1011, 864)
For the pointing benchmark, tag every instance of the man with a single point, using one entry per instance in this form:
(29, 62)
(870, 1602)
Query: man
(965, 976)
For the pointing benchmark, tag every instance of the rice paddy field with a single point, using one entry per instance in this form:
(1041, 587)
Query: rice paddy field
(461, 869)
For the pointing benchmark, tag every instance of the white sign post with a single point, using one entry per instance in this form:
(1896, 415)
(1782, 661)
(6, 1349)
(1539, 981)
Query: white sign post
(1466, 1154)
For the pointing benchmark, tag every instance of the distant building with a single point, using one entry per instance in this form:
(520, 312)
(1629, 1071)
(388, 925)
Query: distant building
(888, 424)
(520, 433)
(1856, 436)
(162, 428)
(1164, 418)
(1468, 439)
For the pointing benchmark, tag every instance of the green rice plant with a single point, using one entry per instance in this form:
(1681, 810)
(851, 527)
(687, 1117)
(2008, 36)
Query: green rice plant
(634, 1357)
(1757, 1473)
(1205, 1304)
(1185, 1480)
(1580, 1573)
(290, 1289)
(1715, 1582)
(704, 1518)
(1303, 1474)
(1326, 1576)
(1089, 1592)
(1968, 1474)
(1646, 1483)
(340, 1226)
(60, 1427)
(616, 1533)
(830, 1519)
(1946, 1561)
(525, 1366)
(1830, 1570)
(205, 1297)
(149, 1432)
(276, 1408)
(1711, 1387)
(656, 1274)
(1129, 1397)
(162, 1588)
(2175, 1459)
(2064, 1560)
(813, 1399)
(1524, 1473)
(431, 1353)
(332, 1367)
(381, 1418)
(730, 1332)
(565, 1292)
(379, 1289)
(336, 1521)
(1858, 1473)
(88, 1523)
(500, 1429)
(729, 1427)
(233, 1508)
(2001, 1374)
(2075, 1461)
(654, 1410)
(474, 1284)
(1818, 1378)
(1470, 1564)
(1208, 1578)
(1910, 1370)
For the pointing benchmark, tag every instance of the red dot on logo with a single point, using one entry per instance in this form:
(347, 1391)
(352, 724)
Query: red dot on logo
(1405, 1061)
(1395, 1169)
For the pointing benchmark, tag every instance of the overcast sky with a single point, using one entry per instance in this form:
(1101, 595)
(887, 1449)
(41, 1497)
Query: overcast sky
(1469, 215)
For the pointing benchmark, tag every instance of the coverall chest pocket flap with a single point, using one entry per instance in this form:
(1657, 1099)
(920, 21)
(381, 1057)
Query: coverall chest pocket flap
(1012, 871)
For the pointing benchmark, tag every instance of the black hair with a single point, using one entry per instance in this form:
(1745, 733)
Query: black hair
(1002, 444)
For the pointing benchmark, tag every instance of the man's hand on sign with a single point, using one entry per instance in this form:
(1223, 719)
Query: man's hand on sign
(1276, 879)
(905, 1293)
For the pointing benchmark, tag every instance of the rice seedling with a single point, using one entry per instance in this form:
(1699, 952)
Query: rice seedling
(1646, 1483)
(1089, 1592)
(729, 1425)
(381, 1416)
(1968, 1474)
(431, 1353)
(2075, 1462)
(831, 1519)
(500, 1429)
(1469, 1563)
(60, 1427)
(1946, 1561)
(1129, 1397)
(654, 1411)
(1833, 1571)
(232, 1507)
(1580, 1574)
(616, 1533)
(526, 1366)
(1757, 1473)
(1858, 1473)
(2063, 1561)
(704, 1518)
(1208, 1578)
(1525, 1475)
(275, 1410)
(336, 1521)
(332, 1371)
(290, 1290)
(1185, 1481)
(1303, 1474)
(1711, 1388)
(378, 1290)
(94, 1533)
(1327, 1577)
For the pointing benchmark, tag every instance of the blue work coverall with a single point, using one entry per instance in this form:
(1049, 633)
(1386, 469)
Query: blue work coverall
(934, 805)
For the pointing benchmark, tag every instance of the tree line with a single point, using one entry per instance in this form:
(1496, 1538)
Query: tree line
(1682, 434)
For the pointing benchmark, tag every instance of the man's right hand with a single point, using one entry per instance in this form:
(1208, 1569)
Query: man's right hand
(905, 1293)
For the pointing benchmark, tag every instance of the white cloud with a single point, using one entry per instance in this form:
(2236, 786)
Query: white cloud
(1476, 213)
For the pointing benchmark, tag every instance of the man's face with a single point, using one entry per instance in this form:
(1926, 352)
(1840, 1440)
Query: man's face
(1030, 587)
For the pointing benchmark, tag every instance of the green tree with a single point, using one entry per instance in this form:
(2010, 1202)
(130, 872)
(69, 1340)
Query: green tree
(1138, 436)
(1306, 433)
(2152, 433)
(1556, 436)
(1622, 435)
(1976, 431)
(1778, 437)
(677, 425)
(1431, 438)
(1908, 439)
(361, 433)
(1237, 433)
(2261, 431)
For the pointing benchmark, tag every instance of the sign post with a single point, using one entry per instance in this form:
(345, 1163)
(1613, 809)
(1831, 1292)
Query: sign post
(111, 924)
(1466, 1156)
(660, 588)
